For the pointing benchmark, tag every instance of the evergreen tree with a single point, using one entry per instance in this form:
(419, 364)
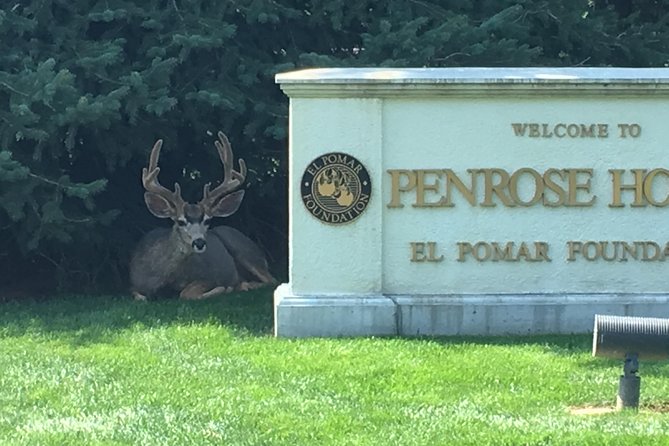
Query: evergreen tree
(87, 86)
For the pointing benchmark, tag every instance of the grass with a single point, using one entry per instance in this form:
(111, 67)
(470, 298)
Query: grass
(111, 371)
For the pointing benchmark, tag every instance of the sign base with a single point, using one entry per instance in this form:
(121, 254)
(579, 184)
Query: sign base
(452, 315)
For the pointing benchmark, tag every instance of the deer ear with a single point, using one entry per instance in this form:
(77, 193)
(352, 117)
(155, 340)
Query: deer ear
(158, 205)
(227, 205)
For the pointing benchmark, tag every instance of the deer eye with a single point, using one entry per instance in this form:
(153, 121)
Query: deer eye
(181, 222)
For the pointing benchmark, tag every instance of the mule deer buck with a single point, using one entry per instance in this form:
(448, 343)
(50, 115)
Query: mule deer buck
(190, 258)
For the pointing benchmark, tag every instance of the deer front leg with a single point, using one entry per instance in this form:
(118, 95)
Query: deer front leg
(193, 291)
(217, 290)
(198, 290)
(138, 296)
(248, 286)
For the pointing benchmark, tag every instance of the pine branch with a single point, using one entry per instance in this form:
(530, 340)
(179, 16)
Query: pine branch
(176, 8)
(46, 180)
(10, 88)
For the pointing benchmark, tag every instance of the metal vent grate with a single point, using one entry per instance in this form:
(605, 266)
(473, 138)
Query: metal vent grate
(616, 336)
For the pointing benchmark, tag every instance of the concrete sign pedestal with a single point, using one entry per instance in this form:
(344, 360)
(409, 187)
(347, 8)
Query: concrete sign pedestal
(475, 201)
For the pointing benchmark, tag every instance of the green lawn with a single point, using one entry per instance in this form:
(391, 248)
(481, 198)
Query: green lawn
(108, 371)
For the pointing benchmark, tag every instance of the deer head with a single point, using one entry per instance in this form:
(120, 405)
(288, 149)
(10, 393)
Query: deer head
(191, 221)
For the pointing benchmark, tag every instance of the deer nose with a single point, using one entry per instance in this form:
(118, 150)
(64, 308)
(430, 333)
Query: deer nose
(199, 244)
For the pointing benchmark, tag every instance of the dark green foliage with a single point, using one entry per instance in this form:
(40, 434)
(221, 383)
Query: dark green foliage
(86, 87)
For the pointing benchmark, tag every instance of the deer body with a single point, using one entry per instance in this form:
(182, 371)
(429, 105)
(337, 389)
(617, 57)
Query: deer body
(190, 258)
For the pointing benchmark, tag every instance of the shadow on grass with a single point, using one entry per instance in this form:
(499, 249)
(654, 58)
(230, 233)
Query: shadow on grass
(95, 319)
(90, 319)
(558, 344)
(575, 347)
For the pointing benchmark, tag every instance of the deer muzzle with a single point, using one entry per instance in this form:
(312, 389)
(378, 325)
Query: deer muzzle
(199, 245)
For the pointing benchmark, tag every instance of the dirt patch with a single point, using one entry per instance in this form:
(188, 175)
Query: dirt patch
(661, 407)
(591, 410)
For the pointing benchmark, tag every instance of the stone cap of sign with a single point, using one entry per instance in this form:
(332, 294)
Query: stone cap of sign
(388, 82)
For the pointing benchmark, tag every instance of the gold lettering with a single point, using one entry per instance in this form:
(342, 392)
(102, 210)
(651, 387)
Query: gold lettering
(656, 255)
(418, 252)
(561, 127)
(519, 129)
(524, 252)
(621, 251)
(573, 248)
(492, 188)
(648, 187)
(422, 187)
(481, 255)
(575, 186)
(538, 186)
(573, 130)
(588, 252)
(534, 131)
(602, 130)
(525, 187)
(425, 252)
(629, 249)
(468, 193)
(396, 188)
(633, 130)
(432, 253)
(587, 131)
(618, 187)
(554, 187)
(464, 248)
(541, 251)
(504, 254)
(545, 132)
(605, 251)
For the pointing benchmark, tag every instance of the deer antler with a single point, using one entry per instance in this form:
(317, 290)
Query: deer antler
(150, 179)
(231, 178)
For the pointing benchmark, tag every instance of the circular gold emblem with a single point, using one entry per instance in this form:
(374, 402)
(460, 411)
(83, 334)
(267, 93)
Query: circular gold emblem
(336, 188)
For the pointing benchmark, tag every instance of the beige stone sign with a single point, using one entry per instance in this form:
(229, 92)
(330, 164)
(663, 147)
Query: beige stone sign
(475, 201)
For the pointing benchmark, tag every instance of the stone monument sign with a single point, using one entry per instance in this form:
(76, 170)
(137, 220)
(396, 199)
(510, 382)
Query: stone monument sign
(475, 200)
